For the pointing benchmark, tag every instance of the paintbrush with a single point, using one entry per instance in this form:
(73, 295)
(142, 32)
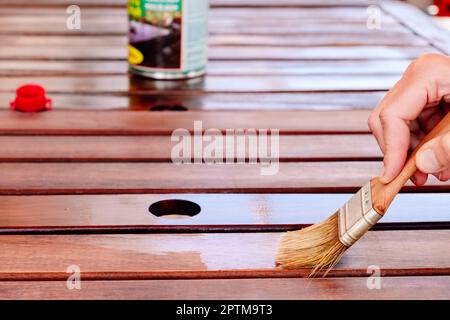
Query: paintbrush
(319, 247)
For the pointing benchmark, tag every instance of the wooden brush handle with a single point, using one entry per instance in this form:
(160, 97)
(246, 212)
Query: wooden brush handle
(384, 194)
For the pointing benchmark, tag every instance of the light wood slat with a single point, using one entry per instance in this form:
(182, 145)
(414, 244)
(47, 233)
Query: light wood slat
(254, 289)
(290, 3)
(104, 25)
(256, 68)
(316, 53)
(138, 177)
(151, 123)
(419, 23)
(283, 53)
(122, 84)
(236, 101)
(219, 212)
(216, 3)
(158, 148)
(164, 255)
(305, 40)
(52, 46)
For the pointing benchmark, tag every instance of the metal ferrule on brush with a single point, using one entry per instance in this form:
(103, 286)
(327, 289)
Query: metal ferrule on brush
(357, 216)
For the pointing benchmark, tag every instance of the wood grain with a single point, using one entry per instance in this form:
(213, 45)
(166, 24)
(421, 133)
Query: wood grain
(123, 85)
(158, 148)
(138, 177)
(154, 123)
(257, 68)
(213, 101)
(255, 289)
(398, 252)
(219, 212)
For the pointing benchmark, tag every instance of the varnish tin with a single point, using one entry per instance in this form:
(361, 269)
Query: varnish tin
(168, 39)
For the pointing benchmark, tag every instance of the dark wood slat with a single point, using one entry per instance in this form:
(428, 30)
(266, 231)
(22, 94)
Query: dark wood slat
(345, 288)
(230, 212)
(137, 177)
(397, 253)
(122, 84)
(218, 101)
(131, 122)
(158, 148)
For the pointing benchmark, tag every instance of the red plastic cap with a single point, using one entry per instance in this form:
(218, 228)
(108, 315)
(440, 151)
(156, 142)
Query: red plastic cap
(31, 98)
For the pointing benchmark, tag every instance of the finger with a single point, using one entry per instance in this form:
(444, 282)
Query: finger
(434, 156)
(396, 144)
(376, 128)
(444, 175)
(419, 178)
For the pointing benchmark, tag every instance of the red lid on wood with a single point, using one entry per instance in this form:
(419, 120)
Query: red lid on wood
(31, 98)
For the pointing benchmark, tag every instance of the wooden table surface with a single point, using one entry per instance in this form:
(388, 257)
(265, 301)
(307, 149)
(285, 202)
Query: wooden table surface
(76, 182)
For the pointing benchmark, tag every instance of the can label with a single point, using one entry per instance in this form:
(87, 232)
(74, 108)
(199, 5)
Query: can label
(168, 38)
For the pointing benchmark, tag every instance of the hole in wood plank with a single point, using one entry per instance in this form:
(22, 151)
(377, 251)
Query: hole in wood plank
(166, 107)
(174, 209)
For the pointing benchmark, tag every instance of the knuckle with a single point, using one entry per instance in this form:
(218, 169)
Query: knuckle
(426, 63)
(371, 122)
(386, 115)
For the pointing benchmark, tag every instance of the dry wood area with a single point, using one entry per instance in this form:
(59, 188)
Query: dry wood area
(77, 182)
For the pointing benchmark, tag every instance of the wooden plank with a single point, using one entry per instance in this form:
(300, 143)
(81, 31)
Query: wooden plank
(213, 101)
(215, 3)
(158, 148)
(219, 212)
(283, 53)
(77, 47)
(256, 68)
(420, 24)
(290, 3)
(138, 177)
(254, 289)
(153, 123)
(197, 255)
(122, 84)
(118, 25)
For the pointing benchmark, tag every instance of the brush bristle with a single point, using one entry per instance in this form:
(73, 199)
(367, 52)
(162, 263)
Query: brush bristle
(316, 247)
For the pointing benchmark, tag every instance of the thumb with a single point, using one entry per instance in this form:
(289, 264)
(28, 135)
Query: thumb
(434, 156)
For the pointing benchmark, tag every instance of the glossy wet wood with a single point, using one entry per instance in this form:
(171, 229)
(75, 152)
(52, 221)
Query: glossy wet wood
(219, 212)
(163, 255)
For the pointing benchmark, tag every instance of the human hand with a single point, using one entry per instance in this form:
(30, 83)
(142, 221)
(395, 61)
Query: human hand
(408, 112)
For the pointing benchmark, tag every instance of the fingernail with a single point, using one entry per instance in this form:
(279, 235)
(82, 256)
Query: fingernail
(427, 161)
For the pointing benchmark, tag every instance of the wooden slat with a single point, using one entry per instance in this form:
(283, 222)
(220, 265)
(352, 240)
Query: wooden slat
(105, 25)
(256, 68)
(131, 122)
(138, 177)
(158, 148)
(416, 21)
(218, 101)
(88, 47)
(122, 84)
(225, 254)
(215, 3)
(219, 212)
(254, 289)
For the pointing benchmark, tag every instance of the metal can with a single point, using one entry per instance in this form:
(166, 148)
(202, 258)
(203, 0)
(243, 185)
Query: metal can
(168, 39)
